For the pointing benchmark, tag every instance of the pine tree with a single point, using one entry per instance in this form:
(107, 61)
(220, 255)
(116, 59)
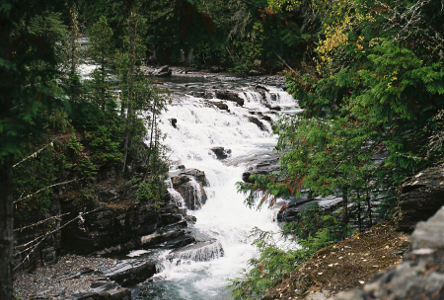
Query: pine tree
(101, 52)
(29, 91)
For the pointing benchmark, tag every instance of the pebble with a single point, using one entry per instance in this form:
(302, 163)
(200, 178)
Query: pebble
(71, 273)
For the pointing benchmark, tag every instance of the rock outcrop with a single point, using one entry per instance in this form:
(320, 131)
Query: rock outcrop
(189, 183)
(258, 123)
(130, 272)
(221, 152)
(110, 226)
(419, 198)
(220, 105)
(163, 71)
(263, 166)
(230, 96)
(420, 275)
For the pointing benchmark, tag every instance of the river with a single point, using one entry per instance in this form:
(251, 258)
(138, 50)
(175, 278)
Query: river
(224, 217)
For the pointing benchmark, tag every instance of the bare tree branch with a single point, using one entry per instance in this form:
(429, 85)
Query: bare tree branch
(34, 154)
(41, 222)
(43, 189)
(41, 238)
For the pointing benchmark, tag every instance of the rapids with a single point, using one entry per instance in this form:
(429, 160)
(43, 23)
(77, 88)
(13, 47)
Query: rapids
(224, 221)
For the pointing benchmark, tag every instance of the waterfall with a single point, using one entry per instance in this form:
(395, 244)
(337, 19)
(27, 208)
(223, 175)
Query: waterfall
(176, 197)
(197, 194)
(223, 248)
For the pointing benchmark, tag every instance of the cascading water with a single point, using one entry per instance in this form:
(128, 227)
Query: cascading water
(223, 221)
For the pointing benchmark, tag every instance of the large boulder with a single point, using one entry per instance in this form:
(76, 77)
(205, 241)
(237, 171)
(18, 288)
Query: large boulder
(421, 273)
(221, 152)
(262, 166)
(163, 71)
(109, 226)
(420, 197)
(229, 95)
(258, 123)
(429, 234)
(189, 184)
(130, 272)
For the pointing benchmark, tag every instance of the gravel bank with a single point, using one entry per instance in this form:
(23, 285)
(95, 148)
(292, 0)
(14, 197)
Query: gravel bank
(72, 273)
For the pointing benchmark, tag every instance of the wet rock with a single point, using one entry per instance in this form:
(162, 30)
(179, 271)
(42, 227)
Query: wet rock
(130, 272)
(263, 166)
(189, 184)
(103, 290)
(193, 194)
(420, 197)
(179, 180)
(109, 227)
(170, 208)
(197, 174)
(191, 219)
(267, 118)
(200, 251)
(197, 94)
(163, 71)
(220, 105)
(258, 123)
(221, 152)
(253, 72)
(173, 122)
(171, 218)
(230, 96)
(166, 234)
(180, 242)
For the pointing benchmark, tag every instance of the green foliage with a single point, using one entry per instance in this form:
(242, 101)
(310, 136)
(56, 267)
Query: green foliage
(29, 91)
(230, 33)
(369, 101)
(87, 170)
(30, 176)
(152, 191)
(312, 221)
(105, 150)
(73, 146)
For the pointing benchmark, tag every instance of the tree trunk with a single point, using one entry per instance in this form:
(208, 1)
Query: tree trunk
(151, 148)
(6, 227)
(369, 209)
(131, 52)
(344, 206)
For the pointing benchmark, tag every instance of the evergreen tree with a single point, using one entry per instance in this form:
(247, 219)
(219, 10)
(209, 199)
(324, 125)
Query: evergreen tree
(29, 92)
(101, 53)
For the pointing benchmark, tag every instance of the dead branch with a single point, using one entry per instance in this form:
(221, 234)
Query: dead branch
(80, 216)
(43, 189)
(41, 222)
(40, 239)
(283, 61)
(34, 154)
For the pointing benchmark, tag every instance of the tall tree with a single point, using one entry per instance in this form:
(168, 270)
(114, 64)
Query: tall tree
(28, 68)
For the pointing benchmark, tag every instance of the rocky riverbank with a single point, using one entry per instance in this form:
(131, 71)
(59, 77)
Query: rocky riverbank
(384, 262)
(166, 71)
(116, 224)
